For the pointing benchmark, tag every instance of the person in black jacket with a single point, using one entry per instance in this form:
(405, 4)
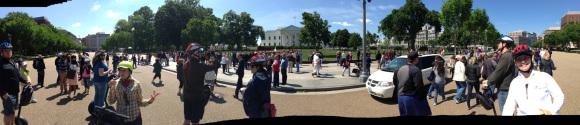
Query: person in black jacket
(9, 79)
(504, 72)
(257, 95)
(193, 88)
(412, 96)
(39, 65)
(240, 73)
(473, 73)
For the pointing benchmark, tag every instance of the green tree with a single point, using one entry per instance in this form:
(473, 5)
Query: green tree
(142, 21)
(454, 14)
(491, 35)
(123, 26)
(340, 38)
(172, 18)
(122, 39)
(372, 38)
(476, 25)
(404, 23)
(355, 40)
(205, 31)
(315, 31)
(573, 33)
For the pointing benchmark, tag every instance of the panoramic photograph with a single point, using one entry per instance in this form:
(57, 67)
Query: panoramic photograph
(188, 62)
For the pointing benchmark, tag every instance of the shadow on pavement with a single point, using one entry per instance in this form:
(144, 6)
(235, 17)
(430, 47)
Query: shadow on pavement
(325, 76)
(472, 113)
(54, 85)
(388, 101)
(293, 85)
(301, 72)
(159, 84)
(80, 97)
(217, 98)
(64, 101)
(285, 89)
(53, 97)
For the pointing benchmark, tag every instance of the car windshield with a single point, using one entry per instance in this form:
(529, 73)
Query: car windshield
(395, 64)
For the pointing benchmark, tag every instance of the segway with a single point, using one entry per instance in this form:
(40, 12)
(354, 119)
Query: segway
(25, 98)
(106, 115)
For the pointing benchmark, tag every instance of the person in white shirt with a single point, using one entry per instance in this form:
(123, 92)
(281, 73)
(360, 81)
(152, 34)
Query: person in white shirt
(459, 78)
(531, 92)
(224, 63)
(316, 64)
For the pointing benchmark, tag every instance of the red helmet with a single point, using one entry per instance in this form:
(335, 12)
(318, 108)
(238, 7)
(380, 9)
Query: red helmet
(521, 50)
(258, 59)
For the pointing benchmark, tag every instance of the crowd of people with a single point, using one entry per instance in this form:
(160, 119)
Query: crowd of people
(506, 75)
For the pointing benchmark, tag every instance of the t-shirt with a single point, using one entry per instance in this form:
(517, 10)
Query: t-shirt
(96, 76)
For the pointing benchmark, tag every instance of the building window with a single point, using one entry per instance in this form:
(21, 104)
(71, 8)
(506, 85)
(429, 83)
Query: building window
(269, 38)
(274, 38)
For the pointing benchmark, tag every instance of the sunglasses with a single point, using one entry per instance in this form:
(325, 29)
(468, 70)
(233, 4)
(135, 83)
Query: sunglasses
(123, 70)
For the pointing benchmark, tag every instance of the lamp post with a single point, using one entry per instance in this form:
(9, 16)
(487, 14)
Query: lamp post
(364, 74)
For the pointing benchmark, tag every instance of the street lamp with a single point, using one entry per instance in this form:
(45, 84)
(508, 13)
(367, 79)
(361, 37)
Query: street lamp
(364, 74)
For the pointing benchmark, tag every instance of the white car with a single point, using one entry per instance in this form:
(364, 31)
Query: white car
(380, 83)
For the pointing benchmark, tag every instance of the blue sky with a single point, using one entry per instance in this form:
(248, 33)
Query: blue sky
(83, 17)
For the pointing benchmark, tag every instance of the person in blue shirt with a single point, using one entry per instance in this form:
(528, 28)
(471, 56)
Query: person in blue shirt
(101, 77)
(283, 68)
(257, 94)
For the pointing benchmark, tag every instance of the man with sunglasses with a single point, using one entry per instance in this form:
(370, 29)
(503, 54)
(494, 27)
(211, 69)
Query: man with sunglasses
(532, 92)
(504, 72)
(9, 79)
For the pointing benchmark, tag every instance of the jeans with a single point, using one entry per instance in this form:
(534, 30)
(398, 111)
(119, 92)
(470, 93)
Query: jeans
(470, 86)
(224, 68)
(460, 93)
(346, 69)
(239, 85)
(276, 78)
(431, 89)
(284, 76)
(297, 66)
(501, 97)
(100, 93)
(439, 90)
(40, 77)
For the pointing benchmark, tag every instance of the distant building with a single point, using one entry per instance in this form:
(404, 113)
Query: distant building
(426, 34)
(523, 37)
(287, 36)
(551, 30)
(93, 42)
(41, 20)
(570, 17)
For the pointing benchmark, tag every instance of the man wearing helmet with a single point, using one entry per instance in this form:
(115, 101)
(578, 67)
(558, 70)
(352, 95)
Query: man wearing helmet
(126, 92)
(9, 79)
(504, 72)
(193, 88)
(257, 94)
(531, 92)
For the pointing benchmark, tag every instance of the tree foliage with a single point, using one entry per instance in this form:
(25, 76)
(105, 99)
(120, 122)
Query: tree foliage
(454, 14)
(143, 31)
(404, 23)
(340, 38)
(315, 31)
(29, 37)
(355, 40)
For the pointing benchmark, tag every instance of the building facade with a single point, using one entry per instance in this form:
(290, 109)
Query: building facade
(523, 37)
(93, 42)
(287, 36)
(570, 17)
(426, 34)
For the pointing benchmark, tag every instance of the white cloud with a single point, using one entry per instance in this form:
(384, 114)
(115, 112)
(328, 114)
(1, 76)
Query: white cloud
(361, 20)
(95, 29)
(387, 7)
(113, 15)
(96, 7)
(344, 23)
(75, 25)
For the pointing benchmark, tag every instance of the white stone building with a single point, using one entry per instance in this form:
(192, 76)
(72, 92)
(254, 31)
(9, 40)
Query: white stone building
(287, 36)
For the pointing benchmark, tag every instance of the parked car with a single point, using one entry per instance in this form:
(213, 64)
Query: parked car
(380, 83)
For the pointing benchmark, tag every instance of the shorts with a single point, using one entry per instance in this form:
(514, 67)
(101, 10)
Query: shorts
(10, 105)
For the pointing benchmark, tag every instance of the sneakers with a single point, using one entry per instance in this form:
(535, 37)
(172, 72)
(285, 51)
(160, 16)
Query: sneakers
(456, 101)
(435, 104)
(33, 101)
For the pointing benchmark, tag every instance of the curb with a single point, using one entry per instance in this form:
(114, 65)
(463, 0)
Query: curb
(293, 90)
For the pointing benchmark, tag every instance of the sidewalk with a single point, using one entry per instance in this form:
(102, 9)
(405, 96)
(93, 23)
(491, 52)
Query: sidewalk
(298, 82)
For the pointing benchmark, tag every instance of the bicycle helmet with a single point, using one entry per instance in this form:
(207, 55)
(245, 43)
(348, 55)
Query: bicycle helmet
(194, 49)
(126, 65)
(258, 59)
(506, 39)
(521, 50)
(6, 45)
